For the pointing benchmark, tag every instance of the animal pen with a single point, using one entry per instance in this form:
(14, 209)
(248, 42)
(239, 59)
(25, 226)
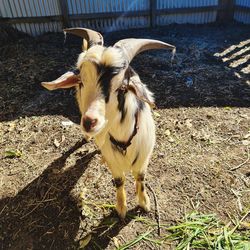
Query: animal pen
(36, 17)
(56, 193)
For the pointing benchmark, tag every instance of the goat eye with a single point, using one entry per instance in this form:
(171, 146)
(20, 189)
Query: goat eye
(116, 71)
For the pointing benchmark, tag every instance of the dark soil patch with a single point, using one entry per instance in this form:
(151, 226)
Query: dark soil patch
(203, 131)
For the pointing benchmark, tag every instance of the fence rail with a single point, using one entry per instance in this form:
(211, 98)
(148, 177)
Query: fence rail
(39, 16)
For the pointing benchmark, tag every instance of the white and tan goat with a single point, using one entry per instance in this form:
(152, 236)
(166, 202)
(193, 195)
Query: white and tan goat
(115, 107)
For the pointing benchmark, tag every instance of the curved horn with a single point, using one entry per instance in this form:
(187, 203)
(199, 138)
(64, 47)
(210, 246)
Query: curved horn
(92, 37)
(132, 46)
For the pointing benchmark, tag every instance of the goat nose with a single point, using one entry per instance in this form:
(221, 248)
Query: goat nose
(88, 123)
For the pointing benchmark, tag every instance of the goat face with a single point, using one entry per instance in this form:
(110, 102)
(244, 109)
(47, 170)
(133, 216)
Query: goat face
(101, 73)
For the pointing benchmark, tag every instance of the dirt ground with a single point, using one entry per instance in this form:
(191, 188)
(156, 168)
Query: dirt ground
(201, 157)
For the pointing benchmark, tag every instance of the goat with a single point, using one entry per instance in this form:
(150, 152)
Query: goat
(115, 107)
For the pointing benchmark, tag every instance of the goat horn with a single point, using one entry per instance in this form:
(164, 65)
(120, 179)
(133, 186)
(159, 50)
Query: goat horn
(90, 36)
(132, 46)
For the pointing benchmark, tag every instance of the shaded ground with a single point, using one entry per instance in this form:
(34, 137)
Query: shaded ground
(203, 132)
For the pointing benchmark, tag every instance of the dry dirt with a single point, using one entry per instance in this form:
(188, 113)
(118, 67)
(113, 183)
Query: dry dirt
(201, 158)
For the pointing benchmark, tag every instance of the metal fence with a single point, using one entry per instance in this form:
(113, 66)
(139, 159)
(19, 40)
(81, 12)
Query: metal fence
(195, 12)
(242, 13)
(38, 16)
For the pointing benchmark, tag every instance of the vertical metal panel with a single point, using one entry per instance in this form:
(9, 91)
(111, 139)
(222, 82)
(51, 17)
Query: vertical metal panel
(242, 3)
(242, 16)
(194, 18)
(111, 24)
(32, 8)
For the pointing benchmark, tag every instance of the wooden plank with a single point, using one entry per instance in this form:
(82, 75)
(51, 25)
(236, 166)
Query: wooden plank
(226, 11)
(187, 10)
(152, 13)
(242, 8)
(38, 19)
(88, 16)
(65, 12)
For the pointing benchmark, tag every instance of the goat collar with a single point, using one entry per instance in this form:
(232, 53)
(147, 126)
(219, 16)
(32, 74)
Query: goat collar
(122, 146)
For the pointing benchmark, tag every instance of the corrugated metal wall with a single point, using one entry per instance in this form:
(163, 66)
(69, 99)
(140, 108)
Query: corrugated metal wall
(32, 8)
(41, 8)
(109, 24)
(194, 18)
(242, 16)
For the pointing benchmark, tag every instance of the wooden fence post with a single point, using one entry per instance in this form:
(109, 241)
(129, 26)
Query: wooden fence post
(152, 13)
(226, 11)
(65, 12)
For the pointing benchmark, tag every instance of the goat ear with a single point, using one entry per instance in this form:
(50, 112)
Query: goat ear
(134, 84)
(65, 81)
(141, 92)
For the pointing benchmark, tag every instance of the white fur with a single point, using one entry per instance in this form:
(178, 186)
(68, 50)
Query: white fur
(142, 143)
(91, 103)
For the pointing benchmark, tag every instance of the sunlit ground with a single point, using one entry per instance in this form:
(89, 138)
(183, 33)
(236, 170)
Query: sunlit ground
(237, 57)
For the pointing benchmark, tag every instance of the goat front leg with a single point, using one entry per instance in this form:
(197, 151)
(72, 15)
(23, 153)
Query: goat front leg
(121, 204)
(141, 194)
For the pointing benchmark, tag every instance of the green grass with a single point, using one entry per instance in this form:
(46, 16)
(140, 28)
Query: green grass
(13, 153)
(196, 231)
(135, 241)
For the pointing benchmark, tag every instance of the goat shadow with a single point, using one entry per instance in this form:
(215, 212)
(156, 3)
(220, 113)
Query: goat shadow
(44, 215)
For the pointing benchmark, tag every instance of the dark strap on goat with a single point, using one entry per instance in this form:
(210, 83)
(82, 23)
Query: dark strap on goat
(122, 146)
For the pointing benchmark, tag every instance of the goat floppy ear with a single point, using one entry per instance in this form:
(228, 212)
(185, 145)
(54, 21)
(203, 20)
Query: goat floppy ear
(134, 84)
(141, 93)
(65, 81)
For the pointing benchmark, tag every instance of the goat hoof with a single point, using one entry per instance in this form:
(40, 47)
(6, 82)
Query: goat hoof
(144, 203)
(145, 207)
(122, 211)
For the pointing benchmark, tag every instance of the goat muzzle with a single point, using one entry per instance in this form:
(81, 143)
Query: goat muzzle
(89, 123)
